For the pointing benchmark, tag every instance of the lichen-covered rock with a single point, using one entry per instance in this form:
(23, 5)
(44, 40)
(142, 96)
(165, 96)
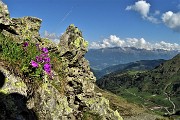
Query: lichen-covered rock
(50, 104)
(24, 98)
(27, 27)
(12, 84)
(5, 20)
(80, 80)
(4, 14)
(100, 105)
(13, 97)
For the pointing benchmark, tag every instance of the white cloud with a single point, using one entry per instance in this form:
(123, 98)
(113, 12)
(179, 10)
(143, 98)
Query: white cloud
(138, 43)
(172, 20)
(153, 19)
(114, 41)
(143, 8)
(52, 36)
(167, 46)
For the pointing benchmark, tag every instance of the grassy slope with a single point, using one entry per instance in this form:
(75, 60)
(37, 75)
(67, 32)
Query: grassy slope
(148, 88)
(128, 110)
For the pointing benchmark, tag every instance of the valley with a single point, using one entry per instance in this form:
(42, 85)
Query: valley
(141, 65)
(157, 90)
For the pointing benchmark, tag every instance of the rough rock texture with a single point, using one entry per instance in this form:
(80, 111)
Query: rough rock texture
(5, 20)
(79, 95)
(27, 27)
(4, 14)
(13, 97)
(80, 86)
(49, 104)
(68, 96)
(11, 80)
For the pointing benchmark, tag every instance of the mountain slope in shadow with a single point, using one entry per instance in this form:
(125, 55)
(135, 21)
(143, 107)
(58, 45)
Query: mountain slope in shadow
(141, 65)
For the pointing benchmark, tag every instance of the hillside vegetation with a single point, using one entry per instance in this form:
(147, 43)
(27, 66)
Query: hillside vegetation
(157, 89)
(141, 65)
(129, 110)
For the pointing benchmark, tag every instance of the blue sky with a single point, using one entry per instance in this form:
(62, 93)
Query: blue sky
(108, 23)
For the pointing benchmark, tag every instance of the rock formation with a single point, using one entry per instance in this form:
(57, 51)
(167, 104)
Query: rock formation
(67, 95)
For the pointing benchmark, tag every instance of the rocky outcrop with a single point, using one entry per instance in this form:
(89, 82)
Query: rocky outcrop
(27, 27)
(80, 80)
(67, 95)
(5, 20)
(13, 97)
(4, 14)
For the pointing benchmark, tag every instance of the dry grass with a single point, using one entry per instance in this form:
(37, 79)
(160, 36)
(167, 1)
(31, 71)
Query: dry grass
(129, 111)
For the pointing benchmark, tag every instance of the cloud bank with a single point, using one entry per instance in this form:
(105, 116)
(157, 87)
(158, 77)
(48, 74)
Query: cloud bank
(114, 41)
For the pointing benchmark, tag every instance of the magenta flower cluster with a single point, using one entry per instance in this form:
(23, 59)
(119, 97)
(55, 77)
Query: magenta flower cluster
(42, 59)
(25, 44)
(34, 64)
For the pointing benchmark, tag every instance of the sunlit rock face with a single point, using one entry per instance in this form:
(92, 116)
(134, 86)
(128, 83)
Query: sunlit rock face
(4, 14)
(67, 96)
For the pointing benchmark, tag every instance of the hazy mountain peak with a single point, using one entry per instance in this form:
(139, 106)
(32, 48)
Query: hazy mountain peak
(105, 57)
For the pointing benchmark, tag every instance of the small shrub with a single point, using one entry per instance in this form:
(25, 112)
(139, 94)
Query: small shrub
(89, 115)
(31, 59)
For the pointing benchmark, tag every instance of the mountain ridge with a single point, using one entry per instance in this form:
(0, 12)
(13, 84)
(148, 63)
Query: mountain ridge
(141, 65)
(105, 57)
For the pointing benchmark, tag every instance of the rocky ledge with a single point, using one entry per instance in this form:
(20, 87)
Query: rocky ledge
(61, 90)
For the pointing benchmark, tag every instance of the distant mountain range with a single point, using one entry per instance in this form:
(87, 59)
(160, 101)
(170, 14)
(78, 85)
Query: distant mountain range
(106, 57)
(141, 65)
(157, 89)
